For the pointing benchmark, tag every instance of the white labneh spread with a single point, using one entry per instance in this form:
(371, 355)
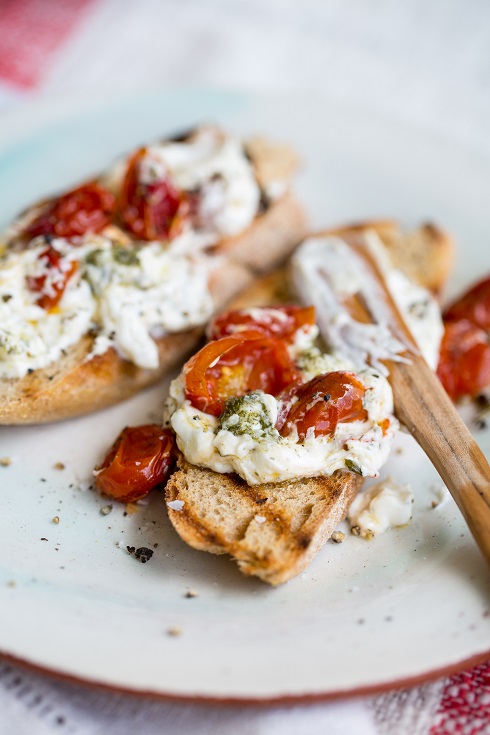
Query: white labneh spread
(213, 164)
(248, 443)
(125, 296)
(326, 272)
(384, 505)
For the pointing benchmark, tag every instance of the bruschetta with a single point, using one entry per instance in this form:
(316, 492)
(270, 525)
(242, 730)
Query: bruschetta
(104, 287)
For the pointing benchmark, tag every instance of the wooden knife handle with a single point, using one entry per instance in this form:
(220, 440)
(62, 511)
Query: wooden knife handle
(421, 403)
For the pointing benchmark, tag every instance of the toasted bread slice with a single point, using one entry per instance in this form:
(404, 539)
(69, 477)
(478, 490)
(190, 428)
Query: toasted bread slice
(271, 239)
(76, 385)
(272, 530)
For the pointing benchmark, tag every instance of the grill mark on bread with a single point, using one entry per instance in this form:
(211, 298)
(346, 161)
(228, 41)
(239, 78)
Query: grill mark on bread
(219, 516)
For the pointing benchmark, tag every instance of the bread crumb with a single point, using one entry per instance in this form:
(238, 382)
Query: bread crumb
(5, 461)
(176, 504)
(105, 510)
(191, 593)
(337, 537)
(174, 631)
(11, 583)
(59, 466)
(260, 519)
(131, 508)
(56, 519)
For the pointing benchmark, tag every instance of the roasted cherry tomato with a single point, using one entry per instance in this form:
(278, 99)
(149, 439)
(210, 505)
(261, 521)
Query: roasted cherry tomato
(51, 286)
(139, 460)
(324, 402)
(86, 209)
(234, 366)
(151, 211)
(474, 306)
(278, 321)
(464, 363)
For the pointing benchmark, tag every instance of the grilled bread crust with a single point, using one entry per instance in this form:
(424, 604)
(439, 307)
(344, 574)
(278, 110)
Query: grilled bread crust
(272, 530)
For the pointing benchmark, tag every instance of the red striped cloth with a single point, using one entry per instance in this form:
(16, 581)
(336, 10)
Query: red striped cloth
(465, 704)
(31, 31)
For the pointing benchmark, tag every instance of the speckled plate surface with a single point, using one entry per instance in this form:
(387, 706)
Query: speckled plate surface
(366, 615)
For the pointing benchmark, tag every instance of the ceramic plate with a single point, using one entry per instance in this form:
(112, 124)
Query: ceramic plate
(366, 615)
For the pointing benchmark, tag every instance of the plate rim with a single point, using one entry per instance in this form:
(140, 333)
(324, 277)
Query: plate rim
(280, 700)
(49, 106)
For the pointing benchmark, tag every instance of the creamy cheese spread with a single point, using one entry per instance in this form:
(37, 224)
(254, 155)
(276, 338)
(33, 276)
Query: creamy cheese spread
(213, 164)
(384, 505)
(247, 442)
(327, 272)
(125, 296)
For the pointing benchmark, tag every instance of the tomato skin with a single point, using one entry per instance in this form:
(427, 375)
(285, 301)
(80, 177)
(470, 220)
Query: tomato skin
(234, 366)
(464, 360)
(473, 306)
(150, 211)
(464, 363)
(278, 321)
(37, 284)
(88, 208)
(140, 459)
(323, 402)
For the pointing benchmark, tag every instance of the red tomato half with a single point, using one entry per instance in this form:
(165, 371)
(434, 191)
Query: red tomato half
(234, 366)
(139, 460)
(464, 363)
(473, 306)
(89, 208)
(324, 402)
(50, 288)
(278, 321)
(150, 211)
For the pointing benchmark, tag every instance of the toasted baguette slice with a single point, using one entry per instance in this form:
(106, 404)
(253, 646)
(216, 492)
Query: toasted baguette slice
(272, 530)
(76, 385)
(271, 239)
